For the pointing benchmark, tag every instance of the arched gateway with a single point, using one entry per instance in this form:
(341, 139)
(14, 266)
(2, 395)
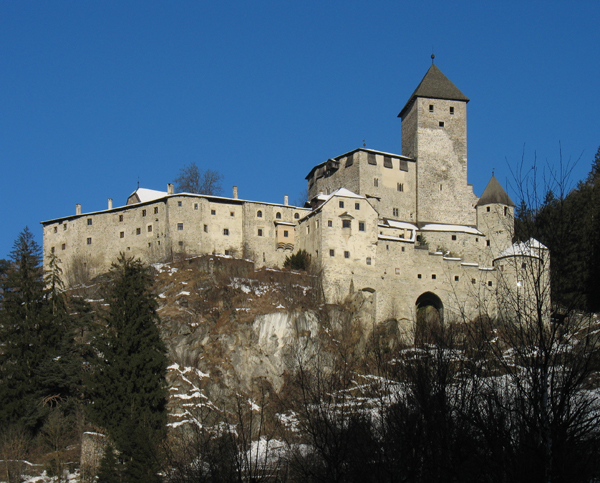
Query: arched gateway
(430, 316)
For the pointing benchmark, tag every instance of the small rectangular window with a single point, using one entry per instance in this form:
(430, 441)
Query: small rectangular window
(376, 182)
(395, 212)
(149, 228)
(179, 226)
(52, 250)
(138, 231)
(453, 237)
(149, 244)
(489, 283)
(361, 226)
(65, 227)
(487, 243)
(63, 246)
(368, 260)
(213, 212)
(232, 213)
(260, 233)
(331, 253)
(430, 107)
(357, 206)
(349, 161)
(120, 217)
(122, 234)
(89, 221)
(226, 231)
(156, 210)
(180, 244)
(403, 165)
(400, 187)
(329, 223)
(205, 228)
(346, 223)
(419, 275)
(89, 241)
(451, 110)
(195, 206)
(433, 276)
(456, 278)
(371, 159)
(143, 212)
(55, 229)
(179, 203)
(341, 204)
(441, 123)
(346, 254)
(387, 162)
(285, 233)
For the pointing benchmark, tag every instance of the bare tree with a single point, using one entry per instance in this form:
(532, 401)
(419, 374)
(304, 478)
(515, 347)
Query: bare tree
(191, 179)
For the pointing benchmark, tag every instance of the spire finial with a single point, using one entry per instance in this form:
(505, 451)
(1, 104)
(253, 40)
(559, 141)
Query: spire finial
(493, 169)
(364, 144)
(432, 56)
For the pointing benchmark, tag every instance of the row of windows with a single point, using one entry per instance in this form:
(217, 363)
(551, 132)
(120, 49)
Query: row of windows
(451, 110)
(341, 204)
(64, 228)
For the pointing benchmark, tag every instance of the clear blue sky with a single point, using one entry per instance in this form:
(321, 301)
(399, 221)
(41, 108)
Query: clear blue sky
(96, 94)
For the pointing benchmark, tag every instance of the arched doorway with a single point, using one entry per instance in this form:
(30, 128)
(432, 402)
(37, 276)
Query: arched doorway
(430, 316)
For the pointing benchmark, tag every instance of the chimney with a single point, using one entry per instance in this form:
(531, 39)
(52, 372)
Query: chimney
(235, 194)
(110, 203)
(286, 200)
(78, 209)
(170, 189)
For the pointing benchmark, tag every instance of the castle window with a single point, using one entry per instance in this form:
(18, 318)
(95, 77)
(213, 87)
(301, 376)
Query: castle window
(476, 240)
(403, 165)
(63, 246)
(400, 187)
(285, 233)
(179, 203)
(180, 244)
(55, 229)
(387, 162)
(361, 226)
(341, 204)
(89, 241)
(489, 283)
(195, 206)
(502, 268)
(430, 107)
(368, 260)
(180, 226)
(346, 254)
(65, 227)
(473, 281)
(226, 252)
(506, 211)
(332, 253)
(259, 214)
(453, 237)
(395, 212)
(52, 250)
(143, 212)
(402, 248)
(387, 247)
(89, 221)
(120, 217)
(487, 209)
(226, 231)
(232, 213)
(122, 234)
(441, 187)
(349, 161)
(433, 276)
(376, 182)
(456, 278)
(158, 242)
(419, 275)
(138, 231)
(451, 110)
(278, 216)
(260, 233)
(524, 266)
(487, 243)
(296, 216)
(213, 212)
(371, 159)
(149, 228)
(357, 206)
(397, 271)
(346, 223)
(205, 228)
(329, 223)
(156, 210)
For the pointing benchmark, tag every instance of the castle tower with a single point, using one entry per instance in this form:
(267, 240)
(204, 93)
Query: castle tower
(434, 133)
(495, 217)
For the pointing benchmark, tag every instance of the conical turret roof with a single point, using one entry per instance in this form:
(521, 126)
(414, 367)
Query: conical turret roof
(435, 85)
(494, 193)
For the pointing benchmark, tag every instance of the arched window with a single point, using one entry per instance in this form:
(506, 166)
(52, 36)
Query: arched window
(296, 215)
(278, 216)
(259, 214)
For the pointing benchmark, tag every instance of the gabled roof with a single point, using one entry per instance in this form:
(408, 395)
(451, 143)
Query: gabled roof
(530, 248)
(494, 193)
(142, 195)
(435, 85)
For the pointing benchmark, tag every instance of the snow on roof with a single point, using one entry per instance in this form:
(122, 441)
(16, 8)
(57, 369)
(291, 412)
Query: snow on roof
(395, 238)
(340, 192)
(399, 224)
(530, 248)
(145, 194)
(458, 228)
(279, 222)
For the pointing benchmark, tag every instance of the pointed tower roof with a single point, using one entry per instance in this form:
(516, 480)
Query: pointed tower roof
(435, 85)
(494, 193)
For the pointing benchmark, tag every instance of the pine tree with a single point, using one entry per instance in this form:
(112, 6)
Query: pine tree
(127, 386)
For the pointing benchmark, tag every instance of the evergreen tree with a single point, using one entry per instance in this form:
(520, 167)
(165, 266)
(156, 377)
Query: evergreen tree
(127, 386)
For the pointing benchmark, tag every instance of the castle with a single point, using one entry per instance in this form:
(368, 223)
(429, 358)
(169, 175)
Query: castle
(402, 231)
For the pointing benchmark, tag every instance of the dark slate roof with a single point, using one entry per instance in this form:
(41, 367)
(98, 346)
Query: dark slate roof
(435, 85)
(494, 193)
